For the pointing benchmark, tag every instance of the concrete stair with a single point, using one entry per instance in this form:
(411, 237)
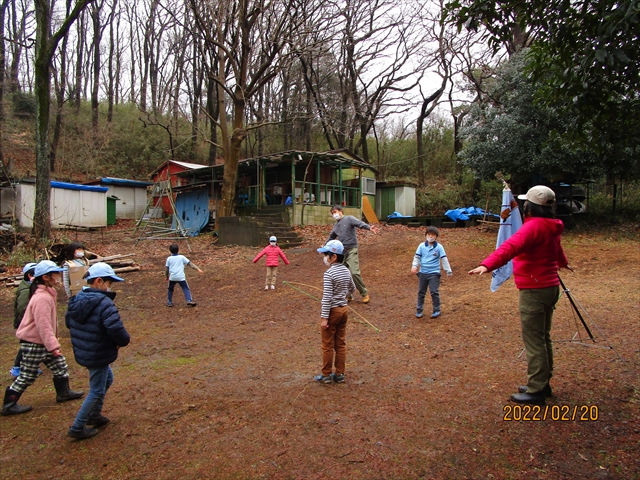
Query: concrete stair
(272, 223)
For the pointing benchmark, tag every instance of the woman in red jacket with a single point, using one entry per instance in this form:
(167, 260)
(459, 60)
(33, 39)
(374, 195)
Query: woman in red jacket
(537, 255)
(272, 251)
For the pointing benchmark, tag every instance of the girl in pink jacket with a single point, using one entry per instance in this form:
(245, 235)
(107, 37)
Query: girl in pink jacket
(38, 334)
(272, 251)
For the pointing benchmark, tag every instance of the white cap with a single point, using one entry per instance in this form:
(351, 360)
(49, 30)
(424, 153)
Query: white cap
(272, 238)
(540, 195)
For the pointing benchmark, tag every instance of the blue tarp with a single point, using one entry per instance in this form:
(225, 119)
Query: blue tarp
(463, 213)
(124, 182)
(510, 222)
(75, 186)
(193, 210)
(398, 215)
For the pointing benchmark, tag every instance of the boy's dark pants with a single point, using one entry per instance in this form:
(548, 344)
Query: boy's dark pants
(334, 339)
(431, 281)
(185, 288)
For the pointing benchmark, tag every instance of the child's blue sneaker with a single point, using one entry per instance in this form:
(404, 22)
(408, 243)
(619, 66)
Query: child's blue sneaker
(337, 378)
(322, 379)
(435, 314)
(419, 314)
(169, 304)
(15, 371)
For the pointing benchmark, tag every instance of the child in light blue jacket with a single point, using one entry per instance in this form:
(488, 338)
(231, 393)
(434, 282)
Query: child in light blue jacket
(427, 259)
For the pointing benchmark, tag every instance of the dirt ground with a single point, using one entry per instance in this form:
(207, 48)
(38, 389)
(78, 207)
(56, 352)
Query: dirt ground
(225, 389)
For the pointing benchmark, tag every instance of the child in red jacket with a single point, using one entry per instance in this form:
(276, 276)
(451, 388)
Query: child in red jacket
(272, 251)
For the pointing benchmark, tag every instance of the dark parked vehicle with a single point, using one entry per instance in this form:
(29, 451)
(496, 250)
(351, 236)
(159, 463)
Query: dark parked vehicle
(569, 198)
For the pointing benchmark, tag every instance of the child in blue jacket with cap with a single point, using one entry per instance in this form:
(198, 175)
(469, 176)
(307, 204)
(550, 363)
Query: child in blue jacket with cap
(97, 333)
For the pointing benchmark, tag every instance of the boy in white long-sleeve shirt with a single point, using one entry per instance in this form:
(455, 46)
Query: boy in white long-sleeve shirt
(428, 257)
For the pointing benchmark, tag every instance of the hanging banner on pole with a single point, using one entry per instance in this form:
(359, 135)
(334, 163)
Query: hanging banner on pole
(510, 223)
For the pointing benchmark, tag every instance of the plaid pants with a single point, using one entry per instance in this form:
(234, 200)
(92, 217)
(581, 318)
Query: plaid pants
(33, 354)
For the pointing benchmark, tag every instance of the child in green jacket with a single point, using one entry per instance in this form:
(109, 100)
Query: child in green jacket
(19, 306)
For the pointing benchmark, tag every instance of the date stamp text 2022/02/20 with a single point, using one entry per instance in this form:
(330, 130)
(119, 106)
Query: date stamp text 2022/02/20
(555, 413)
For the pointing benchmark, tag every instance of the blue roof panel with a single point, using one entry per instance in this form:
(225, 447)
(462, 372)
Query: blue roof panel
(124, 182)
(75, 186)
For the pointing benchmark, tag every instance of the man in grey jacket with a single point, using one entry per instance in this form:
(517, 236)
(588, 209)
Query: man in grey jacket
(345, 231)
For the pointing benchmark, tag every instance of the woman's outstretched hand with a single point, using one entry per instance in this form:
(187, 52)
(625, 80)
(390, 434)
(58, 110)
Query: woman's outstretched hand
(479, 270)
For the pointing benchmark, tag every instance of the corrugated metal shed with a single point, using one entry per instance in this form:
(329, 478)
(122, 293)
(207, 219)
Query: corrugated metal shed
(132, 195)
(71, 205)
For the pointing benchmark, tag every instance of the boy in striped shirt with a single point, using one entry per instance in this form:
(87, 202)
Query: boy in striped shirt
(338, 283)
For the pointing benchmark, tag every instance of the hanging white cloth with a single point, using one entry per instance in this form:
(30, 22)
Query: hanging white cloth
(510, 222)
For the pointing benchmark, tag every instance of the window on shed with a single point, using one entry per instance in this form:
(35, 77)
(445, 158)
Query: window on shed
(368, 186)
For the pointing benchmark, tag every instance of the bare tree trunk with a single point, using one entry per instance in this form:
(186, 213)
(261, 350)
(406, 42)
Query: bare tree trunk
(213, 111)
(428, 105)
(259, 114)
(3, 9)
(231, 164)
(134, 57)
(79, 61)
(286, 125)
(148, 64)
(152, 59)
(97, 38)
(117, 90)
(18, 34)
(457, 148)
(61, 89)
(308, 121)
(197, 97)
(112, 41)
(42, 214)
(45, 47)
(309, 77)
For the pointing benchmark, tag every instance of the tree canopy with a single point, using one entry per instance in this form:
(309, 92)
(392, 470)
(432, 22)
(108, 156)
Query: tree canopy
(508, 131)
(584, 61)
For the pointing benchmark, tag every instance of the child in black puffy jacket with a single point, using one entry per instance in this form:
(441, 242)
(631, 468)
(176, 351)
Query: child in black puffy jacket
(97, 333)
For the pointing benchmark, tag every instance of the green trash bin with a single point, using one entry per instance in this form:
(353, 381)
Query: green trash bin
(111, 209)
